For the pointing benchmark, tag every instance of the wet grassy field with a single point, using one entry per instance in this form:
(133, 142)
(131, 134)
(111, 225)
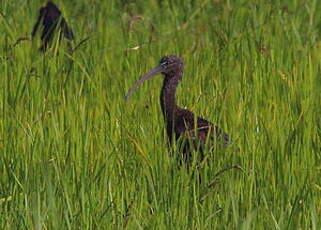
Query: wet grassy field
(74, 154)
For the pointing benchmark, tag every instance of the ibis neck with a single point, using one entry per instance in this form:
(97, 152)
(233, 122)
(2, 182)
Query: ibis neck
(168, 101)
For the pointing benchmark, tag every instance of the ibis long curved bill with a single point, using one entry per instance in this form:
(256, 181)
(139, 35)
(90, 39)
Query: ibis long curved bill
(147, 76)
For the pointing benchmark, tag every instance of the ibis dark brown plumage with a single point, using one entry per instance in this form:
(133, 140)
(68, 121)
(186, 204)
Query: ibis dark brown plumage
(51, 19)
(180, 123)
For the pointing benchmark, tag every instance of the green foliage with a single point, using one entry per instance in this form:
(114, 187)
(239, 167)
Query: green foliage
(75, 155)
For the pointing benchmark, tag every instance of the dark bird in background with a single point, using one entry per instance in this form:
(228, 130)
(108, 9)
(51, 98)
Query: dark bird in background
(51, 18)
(181, 123)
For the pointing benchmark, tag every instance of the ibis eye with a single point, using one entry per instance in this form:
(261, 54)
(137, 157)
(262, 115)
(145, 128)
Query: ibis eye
(164, 63)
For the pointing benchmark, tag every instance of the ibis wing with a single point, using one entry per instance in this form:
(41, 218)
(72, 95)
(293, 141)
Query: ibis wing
(203, 132)
(51, 19)
(198, 131)
(208, 130)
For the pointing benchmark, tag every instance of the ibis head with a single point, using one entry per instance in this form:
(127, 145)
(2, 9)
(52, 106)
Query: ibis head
(168, 66)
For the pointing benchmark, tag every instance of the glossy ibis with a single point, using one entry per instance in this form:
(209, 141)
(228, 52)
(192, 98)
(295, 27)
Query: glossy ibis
(181, 123)
(51, 19)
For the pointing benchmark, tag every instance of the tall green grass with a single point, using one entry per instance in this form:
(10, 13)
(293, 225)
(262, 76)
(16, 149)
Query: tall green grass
(75, 155)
